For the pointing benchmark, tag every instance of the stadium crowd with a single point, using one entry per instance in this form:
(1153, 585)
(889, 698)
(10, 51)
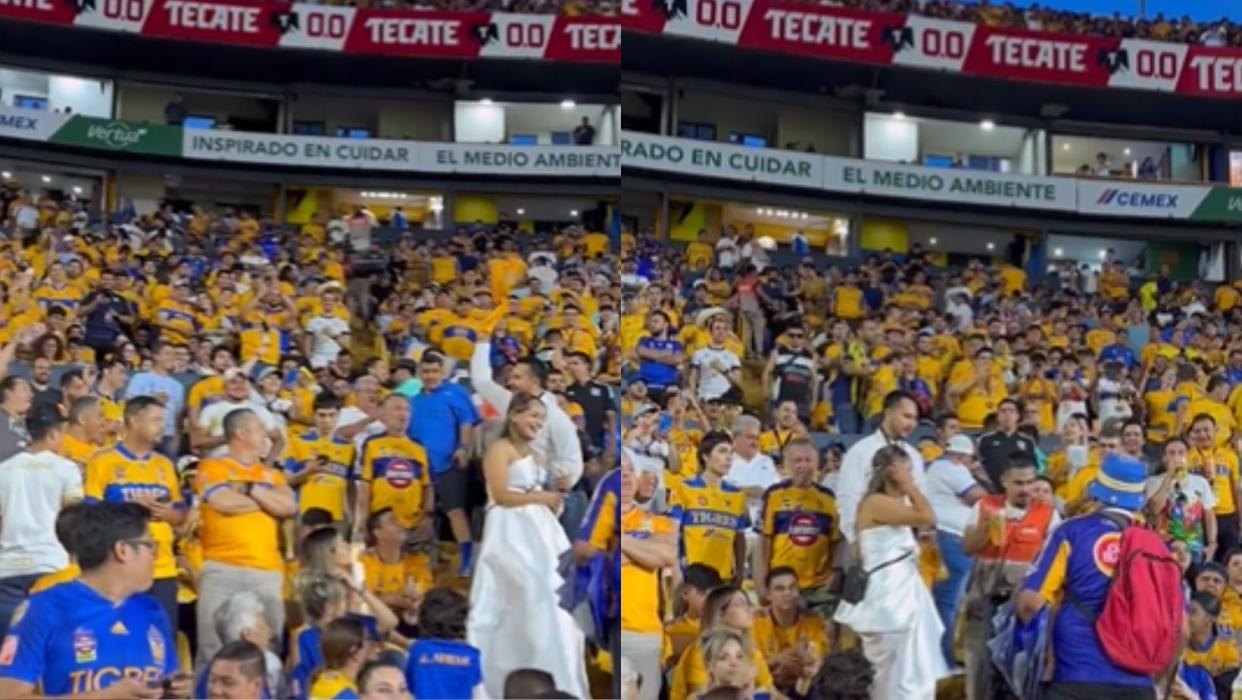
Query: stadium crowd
(871, 473)
(1036, 16)
(240, 460)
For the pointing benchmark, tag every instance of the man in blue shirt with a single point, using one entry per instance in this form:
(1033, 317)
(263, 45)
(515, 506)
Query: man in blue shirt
(160, 383)
(442, 420)
(1119, 351)
(100, 631)
(659, 356)
(1077, 563)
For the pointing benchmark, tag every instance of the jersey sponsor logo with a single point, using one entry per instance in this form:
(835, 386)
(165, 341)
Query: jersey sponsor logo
(399, 474)
(712, 518)
(1106, 551)
(156, 642)
(803, 529)
(84, 646)
(8, 651)
(19, 613)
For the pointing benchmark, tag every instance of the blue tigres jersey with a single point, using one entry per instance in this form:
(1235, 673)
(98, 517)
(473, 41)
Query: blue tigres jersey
(440, 668)
(1080, 556)
(69, 639)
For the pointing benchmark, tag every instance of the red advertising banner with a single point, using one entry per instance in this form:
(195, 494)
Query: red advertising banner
(883, 38)
(341, 29)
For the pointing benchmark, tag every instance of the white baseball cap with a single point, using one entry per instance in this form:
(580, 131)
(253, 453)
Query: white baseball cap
(961, 444)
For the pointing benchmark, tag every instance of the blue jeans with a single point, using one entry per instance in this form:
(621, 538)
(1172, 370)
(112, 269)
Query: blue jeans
(846, 418)
(13, 592)
(576, 503)
(949, 592)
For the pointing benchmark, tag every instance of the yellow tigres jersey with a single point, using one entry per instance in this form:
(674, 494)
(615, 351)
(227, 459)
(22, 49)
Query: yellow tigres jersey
(384, 579)
(327, 490)
(711, 517)
(802, 522)
(79, 451)
(67, 297)
(181, 321)
(400, 477)
(118, 475)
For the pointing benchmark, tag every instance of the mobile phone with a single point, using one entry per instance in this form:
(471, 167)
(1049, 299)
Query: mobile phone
(666, 422)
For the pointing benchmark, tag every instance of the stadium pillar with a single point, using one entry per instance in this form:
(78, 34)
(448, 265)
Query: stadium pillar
(663, 229)
(671, 107)
(281, 204)
(1233, 266)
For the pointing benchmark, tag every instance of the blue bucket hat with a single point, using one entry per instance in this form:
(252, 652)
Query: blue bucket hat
(1120, 483)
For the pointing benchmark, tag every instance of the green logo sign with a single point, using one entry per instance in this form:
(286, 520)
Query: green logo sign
(1220, 204)
(117, 135)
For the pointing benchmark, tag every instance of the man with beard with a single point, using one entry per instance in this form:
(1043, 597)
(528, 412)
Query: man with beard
(1005, 534)
(899, 416)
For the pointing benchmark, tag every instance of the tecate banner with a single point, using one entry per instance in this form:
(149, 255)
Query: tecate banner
(341, 29)
(707, 159)
(886, 38)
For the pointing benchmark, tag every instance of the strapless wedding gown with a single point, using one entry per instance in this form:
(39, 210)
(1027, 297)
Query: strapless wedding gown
(516, 619)
(897, 619)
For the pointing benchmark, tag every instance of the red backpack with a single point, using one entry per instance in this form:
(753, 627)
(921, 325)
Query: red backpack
(1141, 622)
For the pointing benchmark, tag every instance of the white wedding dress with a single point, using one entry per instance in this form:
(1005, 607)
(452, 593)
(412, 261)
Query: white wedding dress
(516, 619)
(897, 619)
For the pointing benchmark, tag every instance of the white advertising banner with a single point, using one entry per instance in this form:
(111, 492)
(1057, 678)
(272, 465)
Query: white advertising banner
(547, 161)
(410, 156)
(721, 160)
(807, 170)
(1122, 198)
(949, 184)
(30, 124)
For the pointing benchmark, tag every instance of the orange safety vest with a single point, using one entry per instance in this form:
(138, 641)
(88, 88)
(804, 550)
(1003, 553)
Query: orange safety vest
(1023, 538)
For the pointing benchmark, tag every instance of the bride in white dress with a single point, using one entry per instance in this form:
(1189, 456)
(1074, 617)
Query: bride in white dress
(516, 620)
(896, 619)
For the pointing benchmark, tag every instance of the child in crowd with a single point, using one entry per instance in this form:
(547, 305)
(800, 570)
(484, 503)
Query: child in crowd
(697, 581)
(345, 650)
(441, 664)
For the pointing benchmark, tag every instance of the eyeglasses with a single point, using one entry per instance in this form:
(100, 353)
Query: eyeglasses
(149, 544)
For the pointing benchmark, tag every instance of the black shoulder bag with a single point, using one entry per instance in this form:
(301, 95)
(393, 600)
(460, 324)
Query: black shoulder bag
(854, 587)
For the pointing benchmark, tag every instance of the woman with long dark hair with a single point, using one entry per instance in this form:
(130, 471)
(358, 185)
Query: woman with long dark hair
(516, 619)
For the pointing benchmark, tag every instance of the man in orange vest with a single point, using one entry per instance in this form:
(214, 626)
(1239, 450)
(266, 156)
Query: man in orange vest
(1005, 536)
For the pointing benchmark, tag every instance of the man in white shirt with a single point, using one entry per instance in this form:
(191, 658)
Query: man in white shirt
(207, 436)
(327, 333)
(900, 416)
(34, 484)
(27, 216)
(714, 369)
(951, 490)
(1183, 501)
(726, 251)
(556, 446)
(752, 471)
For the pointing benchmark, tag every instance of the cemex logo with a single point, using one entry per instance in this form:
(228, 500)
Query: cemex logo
(1137, 200)
(1114, 60)
(899, 38)
(671, 9)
